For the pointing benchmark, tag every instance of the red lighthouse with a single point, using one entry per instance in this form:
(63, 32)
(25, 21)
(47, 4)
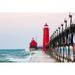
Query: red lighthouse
(45, 37)
(33, 44)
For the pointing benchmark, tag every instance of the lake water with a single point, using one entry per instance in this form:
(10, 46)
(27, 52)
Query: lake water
(13, 55)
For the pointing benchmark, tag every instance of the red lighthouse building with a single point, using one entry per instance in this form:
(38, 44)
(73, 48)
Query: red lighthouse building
(45, 37)
(33, 44)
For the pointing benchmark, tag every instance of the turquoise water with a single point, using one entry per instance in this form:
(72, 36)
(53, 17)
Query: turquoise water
(13, 55)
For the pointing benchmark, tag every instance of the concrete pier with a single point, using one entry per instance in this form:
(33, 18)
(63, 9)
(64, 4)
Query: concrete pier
(39, 56)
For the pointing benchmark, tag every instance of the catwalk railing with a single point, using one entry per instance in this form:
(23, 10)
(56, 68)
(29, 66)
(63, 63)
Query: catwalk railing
(62, 44)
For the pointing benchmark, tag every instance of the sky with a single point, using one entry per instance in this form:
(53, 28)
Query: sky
(18, 29)
(20, 20)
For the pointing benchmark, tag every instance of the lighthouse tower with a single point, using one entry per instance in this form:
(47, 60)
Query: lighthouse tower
(45, 36)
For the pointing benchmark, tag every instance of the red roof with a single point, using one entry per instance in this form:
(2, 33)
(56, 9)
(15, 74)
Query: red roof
(33, 43)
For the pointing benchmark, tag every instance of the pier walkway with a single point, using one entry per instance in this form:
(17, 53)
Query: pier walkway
(39, 56)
